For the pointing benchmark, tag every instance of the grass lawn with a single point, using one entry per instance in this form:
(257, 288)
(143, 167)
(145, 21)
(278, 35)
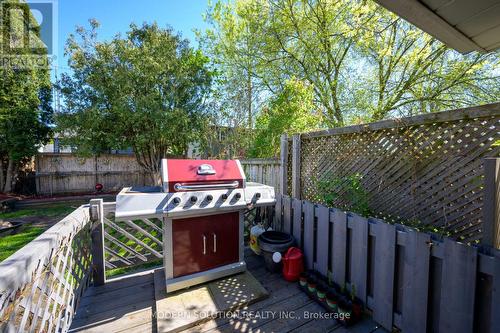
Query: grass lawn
(134, 269)
(45, 215)
(11, 243)
(57, 210)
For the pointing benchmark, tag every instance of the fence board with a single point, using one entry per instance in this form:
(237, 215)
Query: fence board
(287, 214)
(309, 233)
(297, 221)
(265, 171)
(416, 274)
(385, 252)
(359, 255)
(458, 287)
(278, 221)
(339, 246)
(322, 237)
(495, 296)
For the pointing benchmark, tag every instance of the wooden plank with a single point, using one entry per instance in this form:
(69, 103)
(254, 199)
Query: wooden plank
(152, 225)
(284, 165)
(366, 325)
(287, 214)
(491, 209)
(339, 246)
(428, 118)
(308, 233)
(322, 239)
(495, 296)
(97, 236)
(359, 254)
(297, 221)
(278, 221)
(385, 256)
(458, 287)
(296, 166)
(143, 232)
(416, 282)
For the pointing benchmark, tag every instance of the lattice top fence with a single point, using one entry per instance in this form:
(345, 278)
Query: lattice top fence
(427, 168)
(42, 283)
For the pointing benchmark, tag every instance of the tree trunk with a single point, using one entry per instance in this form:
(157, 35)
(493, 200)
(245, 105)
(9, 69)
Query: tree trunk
(249, 92)
(2, 179)
(9, 176)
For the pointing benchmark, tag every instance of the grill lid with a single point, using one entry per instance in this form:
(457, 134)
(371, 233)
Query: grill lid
(197, 175)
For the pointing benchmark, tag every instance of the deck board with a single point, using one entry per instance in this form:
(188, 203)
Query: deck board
(127, 304)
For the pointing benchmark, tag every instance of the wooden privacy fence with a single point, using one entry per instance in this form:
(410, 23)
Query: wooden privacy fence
(42, 283)
(68, 173)
(427, 168)
(265, 171)
(407, 279)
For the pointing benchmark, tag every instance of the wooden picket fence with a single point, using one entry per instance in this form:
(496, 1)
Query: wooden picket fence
(408, 279)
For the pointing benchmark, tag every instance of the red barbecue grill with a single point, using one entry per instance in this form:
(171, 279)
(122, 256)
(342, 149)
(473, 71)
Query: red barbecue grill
(201, 204)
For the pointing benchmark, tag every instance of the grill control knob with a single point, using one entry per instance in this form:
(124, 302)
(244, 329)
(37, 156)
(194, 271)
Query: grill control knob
(209, 198)
(223, 197)
(193, 199)
(176, 201)
(237, 196)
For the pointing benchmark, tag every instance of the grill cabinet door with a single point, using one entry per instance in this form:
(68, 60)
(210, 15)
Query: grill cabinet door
(204, 242)
(224, 238)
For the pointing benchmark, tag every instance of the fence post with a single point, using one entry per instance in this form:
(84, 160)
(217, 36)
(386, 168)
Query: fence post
(491, 208)
(97, 235)
(296, 166)
(284, 165)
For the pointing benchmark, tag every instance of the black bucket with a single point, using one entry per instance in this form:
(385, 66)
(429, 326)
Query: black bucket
(274, 241)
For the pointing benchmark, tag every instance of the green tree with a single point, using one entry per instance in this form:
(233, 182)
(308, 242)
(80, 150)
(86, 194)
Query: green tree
(410, 72)
(146, 90)
(292, 111)
(25, 108)
(363, 62)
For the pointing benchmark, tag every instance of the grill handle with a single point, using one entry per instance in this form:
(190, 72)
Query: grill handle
(215, 242)
(204, 244)
(182, 187)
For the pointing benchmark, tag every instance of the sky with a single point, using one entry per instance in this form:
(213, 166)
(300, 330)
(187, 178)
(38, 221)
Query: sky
(115, 17)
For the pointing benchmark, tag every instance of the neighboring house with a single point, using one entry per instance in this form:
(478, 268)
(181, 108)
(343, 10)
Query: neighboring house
(221, 145)
(54, 146)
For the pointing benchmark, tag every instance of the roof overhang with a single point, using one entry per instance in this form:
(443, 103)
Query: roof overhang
(464, 25)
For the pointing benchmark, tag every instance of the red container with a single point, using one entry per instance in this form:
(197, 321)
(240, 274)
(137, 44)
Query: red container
(293, 264)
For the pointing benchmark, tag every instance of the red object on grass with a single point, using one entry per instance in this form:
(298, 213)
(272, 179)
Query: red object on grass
(293, 264)
(99, 187)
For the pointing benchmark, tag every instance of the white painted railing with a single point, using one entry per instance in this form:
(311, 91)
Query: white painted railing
(41, 284)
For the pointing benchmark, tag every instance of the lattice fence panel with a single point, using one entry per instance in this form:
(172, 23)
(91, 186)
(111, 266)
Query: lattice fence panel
(48, 301)
(289, 169)
(131, 243)
(430, 173)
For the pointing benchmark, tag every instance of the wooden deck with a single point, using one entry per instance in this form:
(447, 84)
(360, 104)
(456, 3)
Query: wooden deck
(127, 305)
